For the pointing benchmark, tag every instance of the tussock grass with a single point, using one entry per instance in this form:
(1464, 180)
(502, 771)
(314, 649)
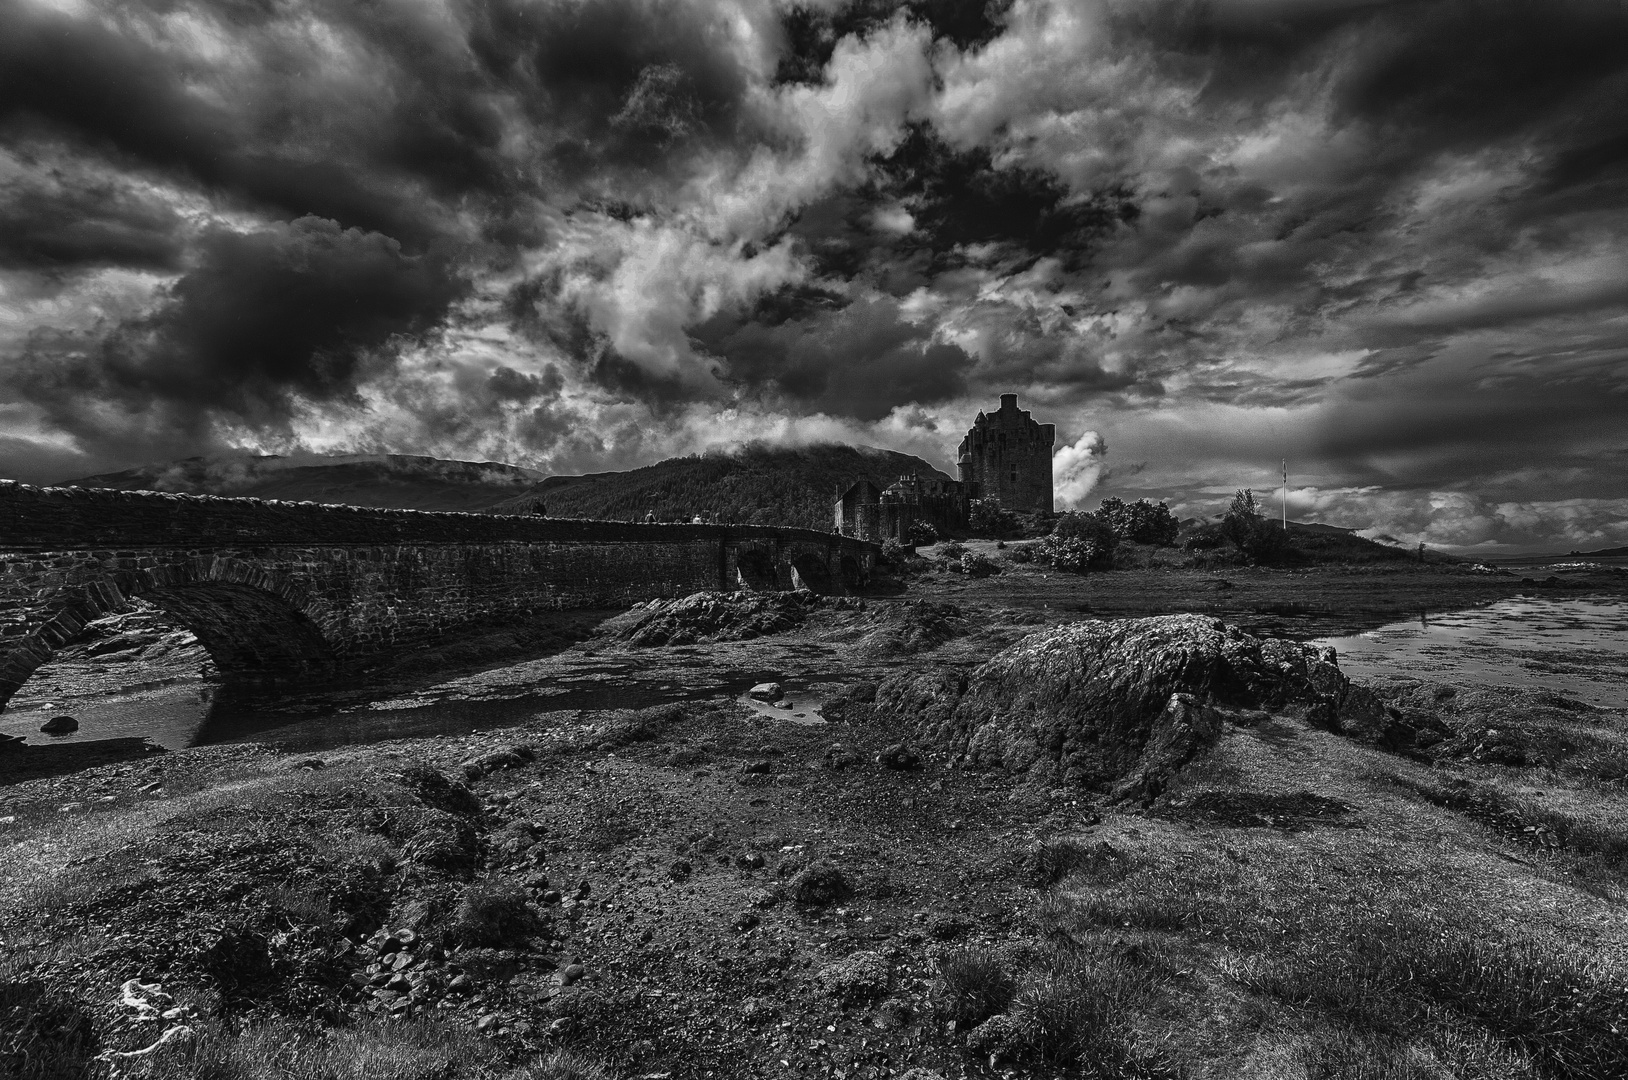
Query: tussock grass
(495, 916)
(1055, 860)
(973, 984)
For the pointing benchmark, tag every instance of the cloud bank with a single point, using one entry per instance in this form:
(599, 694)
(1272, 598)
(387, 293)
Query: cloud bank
(1384, 240)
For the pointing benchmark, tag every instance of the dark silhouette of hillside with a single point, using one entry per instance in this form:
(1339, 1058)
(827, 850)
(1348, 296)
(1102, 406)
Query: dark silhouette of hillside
(757, 485)
(385, 481)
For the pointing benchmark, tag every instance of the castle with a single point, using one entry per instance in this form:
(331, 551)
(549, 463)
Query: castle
(1005, 458)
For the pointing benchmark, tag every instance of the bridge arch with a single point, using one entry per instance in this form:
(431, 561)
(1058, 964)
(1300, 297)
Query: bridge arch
(755, 568)
(249, 619)
(811, 570)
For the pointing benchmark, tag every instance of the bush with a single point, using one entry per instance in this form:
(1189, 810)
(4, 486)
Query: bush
(973, 984)
(496, 917)
(952, 551)
(1250, 532)
(1140, 521)
(989, 520)
(1021, 553)
(921, 534)
(1206, 537)
(978, 565)
(1073, 555)
(893, 552)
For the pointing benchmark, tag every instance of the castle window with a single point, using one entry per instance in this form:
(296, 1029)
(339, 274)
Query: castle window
(1014, 474)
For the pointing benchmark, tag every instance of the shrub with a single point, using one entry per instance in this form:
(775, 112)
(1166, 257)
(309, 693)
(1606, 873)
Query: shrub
(921, 534)
(988, 519)
(1140, 521)
(973, 984)
(893, 552)
(495, 917)
(978, 565)
(1021, 553)
(1080, 542)
(1072, 555)
(1206, 537)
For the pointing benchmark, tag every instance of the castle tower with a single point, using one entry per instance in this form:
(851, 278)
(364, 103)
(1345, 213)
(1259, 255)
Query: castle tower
(1006, 456)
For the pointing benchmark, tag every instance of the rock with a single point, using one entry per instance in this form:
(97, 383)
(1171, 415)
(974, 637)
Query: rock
(1091, 704)
(476, 767)
(12, 742)
(1001, 1036)
(706, 617)
(921, 1074)
(818, 885)
(59, 725)
(758, 768)
(851, 705)
(680, 870)
(840, 757)
(747, 920)
(767, 691)
(855, 979)
(751, 860)
(899, 756)
(569, 974)
(1186, 729)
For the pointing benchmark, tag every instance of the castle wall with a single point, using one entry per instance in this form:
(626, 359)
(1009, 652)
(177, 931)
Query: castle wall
(1006, 456)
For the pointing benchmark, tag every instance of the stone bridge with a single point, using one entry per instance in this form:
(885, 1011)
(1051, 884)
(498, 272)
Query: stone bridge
(278, 590)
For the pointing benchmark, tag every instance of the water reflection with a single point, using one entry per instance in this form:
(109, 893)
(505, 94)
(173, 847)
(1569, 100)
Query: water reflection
(1577, 646)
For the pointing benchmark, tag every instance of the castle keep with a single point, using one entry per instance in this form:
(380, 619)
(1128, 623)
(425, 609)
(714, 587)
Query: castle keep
(1005, 457)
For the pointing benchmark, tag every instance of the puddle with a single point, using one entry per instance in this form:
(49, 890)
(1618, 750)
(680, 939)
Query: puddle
(796, 707)
(1577, 646)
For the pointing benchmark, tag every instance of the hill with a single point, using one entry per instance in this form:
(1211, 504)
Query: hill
(392, 481)
(756, 485)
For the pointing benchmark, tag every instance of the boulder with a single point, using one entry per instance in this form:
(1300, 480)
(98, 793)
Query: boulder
(59, 725)
(1114, 706)
(766, 691)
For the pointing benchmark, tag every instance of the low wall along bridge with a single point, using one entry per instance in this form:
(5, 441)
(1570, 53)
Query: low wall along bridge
(288, 590)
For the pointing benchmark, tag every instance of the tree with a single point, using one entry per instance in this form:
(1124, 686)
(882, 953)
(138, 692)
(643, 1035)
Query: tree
(1249, 531)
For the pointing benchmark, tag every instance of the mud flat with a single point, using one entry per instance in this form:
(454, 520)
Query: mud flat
(1248, 866)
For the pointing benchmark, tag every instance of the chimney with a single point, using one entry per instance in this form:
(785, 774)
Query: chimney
(1008, 401)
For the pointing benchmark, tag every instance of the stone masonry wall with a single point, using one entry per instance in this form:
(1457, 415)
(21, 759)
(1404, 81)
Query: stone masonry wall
(280, 588)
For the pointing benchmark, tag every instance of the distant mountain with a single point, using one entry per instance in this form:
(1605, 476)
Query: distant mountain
(755, 485)
(1604, 553)
(396, 481)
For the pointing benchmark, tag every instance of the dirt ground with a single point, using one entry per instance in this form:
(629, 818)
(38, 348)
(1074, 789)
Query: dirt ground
(714, 889)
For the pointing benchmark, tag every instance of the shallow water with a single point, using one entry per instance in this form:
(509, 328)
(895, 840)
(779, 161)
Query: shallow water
(1577, 646)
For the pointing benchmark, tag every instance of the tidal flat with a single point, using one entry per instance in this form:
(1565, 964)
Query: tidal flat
(591, 850)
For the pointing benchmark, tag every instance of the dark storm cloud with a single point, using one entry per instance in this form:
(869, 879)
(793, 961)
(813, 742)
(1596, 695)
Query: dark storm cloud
(812, 32)
(861, 361)
(961, 198)
(61, 219)
(292, 309)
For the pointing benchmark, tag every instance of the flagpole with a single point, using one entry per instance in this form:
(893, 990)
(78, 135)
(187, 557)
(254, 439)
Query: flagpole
(1285, 496)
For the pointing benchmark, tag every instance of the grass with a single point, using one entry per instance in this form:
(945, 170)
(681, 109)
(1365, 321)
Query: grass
(495, 916)
(1390, 979)
(973, 984)
(281, 1050)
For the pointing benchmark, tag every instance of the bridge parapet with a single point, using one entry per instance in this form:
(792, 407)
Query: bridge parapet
(278, 589)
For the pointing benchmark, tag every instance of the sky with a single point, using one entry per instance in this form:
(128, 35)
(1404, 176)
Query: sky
(1382, 240)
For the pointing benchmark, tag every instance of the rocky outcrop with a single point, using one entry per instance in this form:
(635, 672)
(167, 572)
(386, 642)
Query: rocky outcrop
(1116, 706)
